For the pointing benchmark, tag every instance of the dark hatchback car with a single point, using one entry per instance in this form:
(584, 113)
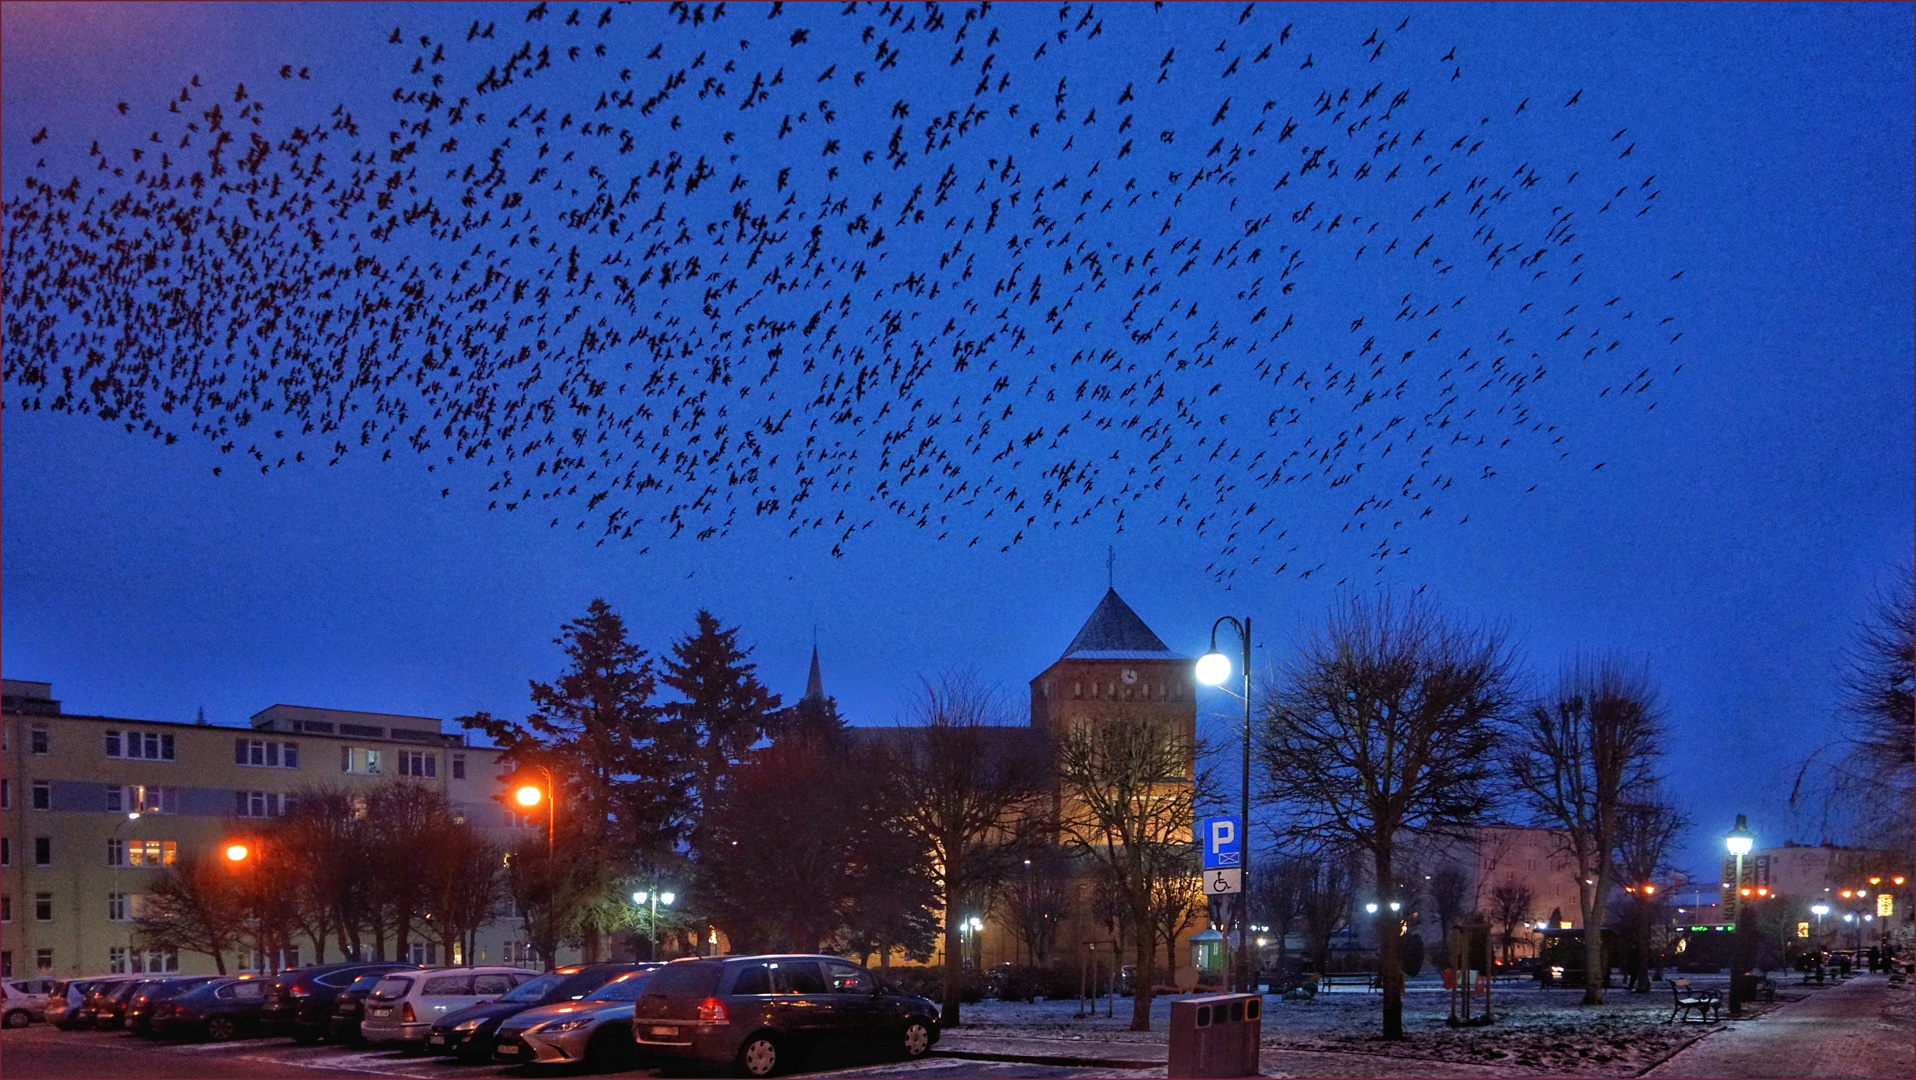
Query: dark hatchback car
(109, 1008)
(761, 1014)
(139, 1010)
(468, 1033)
(218, 1010)
(95, 993)
(349, 1008)
(300, 1002)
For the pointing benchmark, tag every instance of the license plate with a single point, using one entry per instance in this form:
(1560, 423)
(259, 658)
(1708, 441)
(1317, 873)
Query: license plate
(665, 1031)
(436, 1039)
(386, 1011)
(506, 1048)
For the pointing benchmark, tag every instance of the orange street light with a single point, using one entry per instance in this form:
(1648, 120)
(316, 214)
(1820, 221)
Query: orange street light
(529, 795)
(236, 852)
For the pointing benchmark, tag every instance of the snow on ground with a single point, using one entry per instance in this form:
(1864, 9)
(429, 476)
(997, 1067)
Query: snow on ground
(1548, 1031)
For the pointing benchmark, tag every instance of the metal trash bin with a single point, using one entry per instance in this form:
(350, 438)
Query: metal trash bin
(1215, 1036)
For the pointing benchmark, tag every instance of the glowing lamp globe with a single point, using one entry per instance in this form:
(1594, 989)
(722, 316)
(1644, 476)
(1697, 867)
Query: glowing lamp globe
(528, 795)
(1739, 840)
(639, 897)
(1213, 668)
(1819, 910)
(666, 898)
(235, 852)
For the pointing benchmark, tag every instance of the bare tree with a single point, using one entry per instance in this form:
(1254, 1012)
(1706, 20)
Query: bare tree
(1646, 834)
(1177, 895)
(1038, 900)
(1870, 770)
(195, 905)
(1277, 887)
(1449, 892)
(1128, 792)
(1324, 903)
(965, 794)
(467, 889)
(1580, 754)
(1510, 905)
(1384, 729)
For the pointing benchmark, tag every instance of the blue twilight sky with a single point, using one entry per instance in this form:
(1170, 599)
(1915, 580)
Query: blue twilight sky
(1733, 538)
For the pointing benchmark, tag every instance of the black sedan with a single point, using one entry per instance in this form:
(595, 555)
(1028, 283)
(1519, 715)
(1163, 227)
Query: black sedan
(469, 1032)
(349, 1008)
(219, 1010)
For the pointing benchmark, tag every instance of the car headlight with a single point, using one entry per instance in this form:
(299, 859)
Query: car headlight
(468, 1025)
(565, 1025)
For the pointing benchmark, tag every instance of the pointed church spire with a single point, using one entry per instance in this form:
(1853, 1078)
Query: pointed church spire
(814, 683)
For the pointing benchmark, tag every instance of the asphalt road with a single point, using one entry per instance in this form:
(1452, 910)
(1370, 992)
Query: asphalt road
(41, 1052)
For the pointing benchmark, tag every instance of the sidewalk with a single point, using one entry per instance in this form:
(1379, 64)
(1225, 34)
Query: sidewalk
(1863, 1028)
(1148, 1059)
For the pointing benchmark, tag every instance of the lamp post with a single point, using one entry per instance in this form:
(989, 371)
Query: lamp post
(654, 897)
(1739, 841)
(1212, 669)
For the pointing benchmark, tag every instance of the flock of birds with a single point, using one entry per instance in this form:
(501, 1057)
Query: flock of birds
(988, 269)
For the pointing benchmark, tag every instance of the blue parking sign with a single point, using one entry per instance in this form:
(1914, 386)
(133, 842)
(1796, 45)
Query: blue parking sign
(1222, 840)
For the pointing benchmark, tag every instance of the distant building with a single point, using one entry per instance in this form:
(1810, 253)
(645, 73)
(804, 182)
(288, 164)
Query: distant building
(74, 865)
(1871, 886)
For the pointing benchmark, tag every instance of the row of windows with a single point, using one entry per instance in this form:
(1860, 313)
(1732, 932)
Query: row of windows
(121, 960)
(158, 746)
(262, 804)
(119, 852)
(120, 907)
(42, 851)
(154, 799)
(144, 745)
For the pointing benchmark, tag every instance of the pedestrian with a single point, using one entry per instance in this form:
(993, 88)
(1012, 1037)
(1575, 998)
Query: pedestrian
(1875, 959)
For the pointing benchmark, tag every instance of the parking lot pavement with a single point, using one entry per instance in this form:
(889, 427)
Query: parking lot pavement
(42, 1052)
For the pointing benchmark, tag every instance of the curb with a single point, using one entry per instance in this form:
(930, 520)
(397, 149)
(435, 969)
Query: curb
(1047, 1059)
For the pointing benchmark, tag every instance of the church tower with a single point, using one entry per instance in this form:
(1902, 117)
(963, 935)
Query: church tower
(1115, 660)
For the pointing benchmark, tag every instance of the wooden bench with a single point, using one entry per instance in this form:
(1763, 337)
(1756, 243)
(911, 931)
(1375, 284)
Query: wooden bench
(1705, 1005)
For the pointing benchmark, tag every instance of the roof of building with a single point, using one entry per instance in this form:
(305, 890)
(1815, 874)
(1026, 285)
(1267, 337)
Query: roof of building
(1114, 632)
(815, 682)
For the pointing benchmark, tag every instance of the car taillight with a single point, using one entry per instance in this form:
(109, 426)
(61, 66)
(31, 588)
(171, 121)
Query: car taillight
(406, 1014)
(299, 991)
(712, 1011)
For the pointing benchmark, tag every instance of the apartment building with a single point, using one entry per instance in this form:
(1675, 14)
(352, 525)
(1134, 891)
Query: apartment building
(92, 808)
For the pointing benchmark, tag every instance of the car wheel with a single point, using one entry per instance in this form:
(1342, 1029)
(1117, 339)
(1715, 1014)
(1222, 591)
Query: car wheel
(221, 1028)
(611, 1050)
(917, 1039)
(759, 1056)
(19, 1018)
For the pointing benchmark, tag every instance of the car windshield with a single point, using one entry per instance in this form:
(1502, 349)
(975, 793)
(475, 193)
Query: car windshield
(685, 978)
(536, 989)
(623, 988)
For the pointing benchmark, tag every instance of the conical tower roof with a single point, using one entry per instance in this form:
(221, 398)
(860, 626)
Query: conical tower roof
(1114, 632)
(814, 683)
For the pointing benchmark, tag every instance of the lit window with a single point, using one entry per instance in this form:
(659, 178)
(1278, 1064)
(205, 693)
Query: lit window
(150, 852)
(372, 763)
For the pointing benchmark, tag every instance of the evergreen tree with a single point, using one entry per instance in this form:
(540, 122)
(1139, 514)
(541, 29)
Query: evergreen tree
(722, 704)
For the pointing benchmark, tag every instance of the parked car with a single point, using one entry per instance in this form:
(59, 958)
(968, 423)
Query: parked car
(404, 1005)
(81, 1013)
(300, 1002)
(63, 1001)
(139, 1010)
(218, 1010)
(22, 1001)
(596, 1029)
(468, 1033)
(763, 1013)
(109, 1012)
(349, 1008)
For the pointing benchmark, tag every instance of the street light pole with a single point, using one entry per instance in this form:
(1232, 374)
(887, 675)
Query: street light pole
(654, 897)
(126, 909)
(1244, 979)
(1739, 841)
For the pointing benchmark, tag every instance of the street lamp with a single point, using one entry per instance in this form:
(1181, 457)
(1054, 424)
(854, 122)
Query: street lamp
(654, 897)
(529, 795)
(1212, 669)
(1739, 841)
